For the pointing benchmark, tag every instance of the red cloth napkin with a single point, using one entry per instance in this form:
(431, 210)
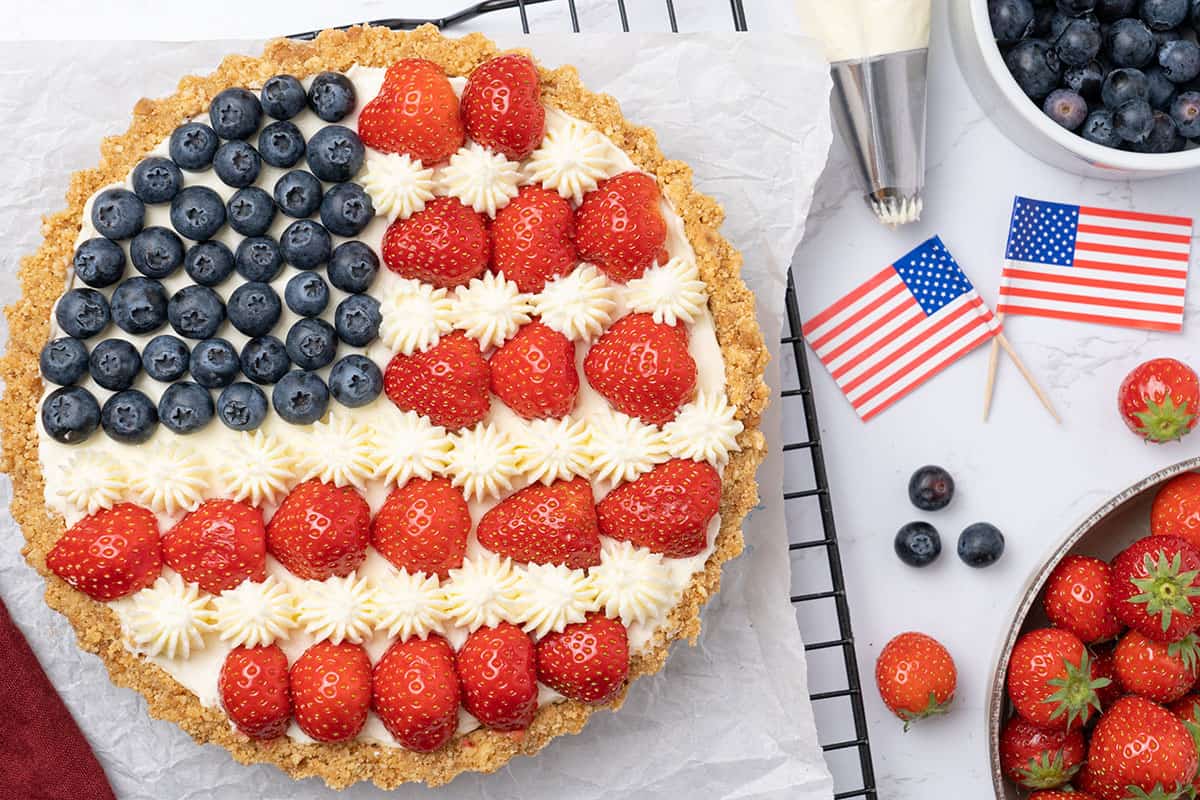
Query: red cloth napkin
(43, 755)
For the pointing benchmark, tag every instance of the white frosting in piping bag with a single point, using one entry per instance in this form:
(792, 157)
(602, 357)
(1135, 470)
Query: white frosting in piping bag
(852, 29)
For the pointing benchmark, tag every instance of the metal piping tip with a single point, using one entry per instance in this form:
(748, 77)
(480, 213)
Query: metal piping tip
(894, 210)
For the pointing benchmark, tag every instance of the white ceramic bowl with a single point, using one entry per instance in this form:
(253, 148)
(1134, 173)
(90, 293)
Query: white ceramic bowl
(1022, 120)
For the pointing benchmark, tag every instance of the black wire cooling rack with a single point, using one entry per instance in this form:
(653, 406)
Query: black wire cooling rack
(824, 615)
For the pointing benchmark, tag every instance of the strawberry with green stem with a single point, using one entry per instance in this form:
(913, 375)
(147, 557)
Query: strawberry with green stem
(1140, 751)
(1159, 671)
(1038, 758)
(1050, 680)
(1158, 400)
(916, 677)
(1155, 587)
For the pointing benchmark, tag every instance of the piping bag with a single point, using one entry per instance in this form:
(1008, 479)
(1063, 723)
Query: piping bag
(879, 54)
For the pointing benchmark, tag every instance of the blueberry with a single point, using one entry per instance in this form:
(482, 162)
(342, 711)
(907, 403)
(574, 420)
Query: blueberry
(117, 213)
(1035, 67)
(242, 406)
(114, 364)
(258, 259)
(70, 414)
(918, 544)
(82, 313)
(1066, 108)
(156, 180)
(1112, 10)
(282, 97)
(1185, 110)
(64, 361)
(1085, 81)
(139, 305)
(1134, 121)
(1180, 61)
(352, 267)
(1163, 15)
(265, 360)
(129, 417)
(1012, 20)
(1100, 128)
(99, 262)
(1079, 43)
(306, 294)
(931, 488)
(1123, 85)
(305, 244)
(237, 164)
(235, 114)
(156, 252)
(980, 545)
(197, 213)
(1058, 23)
(193, 145)
(281, 144)
(1163, 138)
(346, 209)
(1161, 90)
(355, 381)
(311, 343)
(300, 397)
(208, 263)
(1076, 7)
(357, 320)
(165, 358)
(250, 211)
(254, 308)
(298, 194)
(331, 96)
(196, 312)
(214, 363)
(185, 407)
(335, 154)
(1130, 43)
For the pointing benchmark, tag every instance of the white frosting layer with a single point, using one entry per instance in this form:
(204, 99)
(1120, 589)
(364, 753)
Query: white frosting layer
(852, 29)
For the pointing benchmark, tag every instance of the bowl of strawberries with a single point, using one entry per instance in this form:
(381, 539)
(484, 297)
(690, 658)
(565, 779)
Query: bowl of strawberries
(1097, 691)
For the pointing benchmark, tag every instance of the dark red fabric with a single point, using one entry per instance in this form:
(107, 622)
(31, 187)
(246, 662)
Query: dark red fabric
(43, 755)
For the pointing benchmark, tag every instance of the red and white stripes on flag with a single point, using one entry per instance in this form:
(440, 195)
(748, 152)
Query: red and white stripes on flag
(1096, 265)
(900, 328)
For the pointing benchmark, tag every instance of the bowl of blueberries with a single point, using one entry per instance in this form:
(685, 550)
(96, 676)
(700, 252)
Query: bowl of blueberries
(1101, 88)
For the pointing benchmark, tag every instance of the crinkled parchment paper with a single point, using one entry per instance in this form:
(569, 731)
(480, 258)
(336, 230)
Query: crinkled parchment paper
(729, 718)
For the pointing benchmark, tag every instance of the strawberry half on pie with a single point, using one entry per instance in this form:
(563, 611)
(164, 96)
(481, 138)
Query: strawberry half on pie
(401, 408)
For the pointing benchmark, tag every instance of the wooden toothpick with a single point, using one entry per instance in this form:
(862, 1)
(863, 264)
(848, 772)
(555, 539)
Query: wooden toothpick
(993, 363)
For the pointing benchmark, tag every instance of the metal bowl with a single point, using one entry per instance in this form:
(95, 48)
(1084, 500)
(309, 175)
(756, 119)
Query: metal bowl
(1105, 533)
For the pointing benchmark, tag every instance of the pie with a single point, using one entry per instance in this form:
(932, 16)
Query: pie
(400, 408)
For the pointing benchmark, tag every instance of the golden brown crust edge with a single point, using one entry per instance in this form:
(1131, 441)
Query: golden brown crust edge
(42, 275)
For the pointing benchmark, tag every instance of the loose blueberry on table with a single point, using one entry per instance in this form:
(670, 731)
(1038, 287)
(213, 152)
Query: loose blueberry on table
(918, 544)
(980, 545)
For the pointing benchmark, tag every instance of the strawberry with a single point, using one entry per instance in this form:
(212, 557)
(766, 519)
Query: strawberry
(1061, 794)
(1050, 681)
(667, 509)
(109, 554)
(643, 368)
(331, 690)
(320, 530)
(219, 545)
(502, 106)
(415, 112)
(447, 383)
(1140, 749)
(255, 692)
(1176, 509)
(499, 680)
(1157, 671)
(533, 239)
(916, 677)
(445, 244)
(1154, 587)
(619, 226)
(1037, 758)
(1103, 667)
(1187, 708)
(1076, 598)
(553, 524)
(534, 373)
(423, 527)
(588, 661)
(1159, 399)
(414, 690)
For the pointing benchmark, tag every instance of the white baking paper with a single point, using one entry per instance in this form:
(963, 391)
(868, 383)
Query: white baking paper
(729, 718)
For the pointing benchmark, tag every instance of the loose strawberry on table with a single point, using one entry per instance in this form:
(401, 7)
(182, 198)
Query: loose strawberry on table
(1176, 509)
(447, 383)
(1076, 598)
(643, 368)
(219, 545)
(1050, 682)
(553, 524)
(1139, 749)
(533, 239)
(587, 661)
(499, 677)
(1155, 587)
(320, 531)
(619, 226)
(331, 690)
(1039, 758)
(415, 692)
(445, 244)
(666, 510)
(416, 112)
(255, 690)
(109, 554)
(534, 373)
(1158, 671)
(1159, 400)
(502, 106)
(916, 677)
(423, 527)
